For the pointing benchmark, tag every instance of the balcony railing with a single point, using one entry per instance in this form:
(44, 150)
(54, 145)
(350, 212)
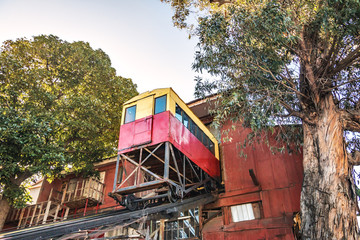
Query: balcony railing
(83, 192)
(44, 212)
(76, 194)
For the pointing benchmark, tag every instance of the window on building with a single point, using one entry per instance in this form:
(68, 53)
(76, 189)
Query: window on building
(130, 113)
(72, 185)
(160, 104)
(245, 212)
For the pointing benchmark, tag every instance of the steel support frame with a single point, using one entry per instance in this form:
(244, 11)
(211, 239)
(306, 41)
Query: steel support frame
(189, 176)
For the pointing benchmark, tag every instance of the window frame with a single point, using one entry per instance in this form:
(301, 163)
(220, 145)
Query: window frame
(184, 115)
(178, 108)
(155, 104)
(126, 114)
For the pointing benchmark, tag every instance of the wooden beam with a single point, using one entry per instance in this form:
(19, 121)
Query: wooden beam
(33, 215)
(162, 229)
(51, 191)
(56, 212)
(40, 212)
(27, 215)
(21, 217)
(46, 212)
(66, 213)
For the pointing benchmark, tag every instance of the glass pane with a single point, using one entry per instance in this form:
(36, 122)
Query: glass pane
(199, 133)
(178, 113)
(186, 120)
(192, 127)
(130, 114)
(160, 104)
(212, 147)
(205, 138)
(208, 143)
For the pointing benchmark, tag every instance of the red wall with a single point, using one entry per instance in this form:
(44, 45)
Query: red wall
(257, 230)
(280, 175)
(280, 179)
(109, 181)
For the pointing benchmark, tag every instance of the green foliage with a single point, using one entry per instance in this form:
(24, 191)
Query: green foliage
(18, 196)
(274, 60)
(60, 106)
(246, 49)
(183, 9)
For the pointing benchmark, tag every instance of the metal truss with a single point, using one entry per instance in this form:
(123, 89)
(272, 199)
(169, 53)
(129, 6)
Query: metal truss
(154, 173)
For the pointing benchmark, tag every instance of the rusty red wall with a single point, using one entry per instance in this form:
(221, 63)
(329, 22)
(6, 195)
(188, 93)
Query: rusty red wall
(259, 230)
(280, 175)
(109, 181)
(46, 189)
(280, 179)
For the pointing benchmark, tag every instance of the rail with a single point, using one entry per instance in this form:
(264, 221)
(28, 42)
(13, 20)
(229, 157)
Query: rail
(105, 219)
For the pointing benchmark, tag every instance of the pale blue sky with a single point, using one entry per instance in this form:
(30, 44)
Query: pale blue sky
(138, 35)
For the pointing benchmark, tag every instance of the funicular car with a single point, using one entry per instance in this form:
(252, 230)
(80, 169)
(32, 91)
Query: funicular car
(164, 151)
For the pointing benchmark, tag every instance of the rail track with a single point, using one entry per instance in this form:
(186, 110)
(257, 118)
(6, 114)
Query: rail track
(116, 217)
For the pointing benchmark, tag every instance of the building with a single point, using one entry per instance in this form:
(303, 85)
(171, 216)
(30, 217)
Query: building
(259, 199)
(262, 189)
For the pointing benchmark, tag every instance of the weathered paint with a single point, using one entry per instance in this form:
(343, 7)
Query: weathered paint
(167, 128)
(271, 228)
(277, 185)
(280, 175)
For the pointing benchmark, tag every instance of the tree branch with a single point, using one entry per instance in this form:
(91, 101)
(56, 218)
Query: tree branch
(337, 86)
(321, 71)
(21, 177)
(293, 88)
(351, 120)
(309, 74)
(291, 111)
(348, 60)
(354, 158)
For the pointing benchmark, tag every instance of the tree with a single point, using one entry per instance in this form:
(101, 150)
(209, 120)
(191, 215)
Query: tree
(292, 62)
(60, 108)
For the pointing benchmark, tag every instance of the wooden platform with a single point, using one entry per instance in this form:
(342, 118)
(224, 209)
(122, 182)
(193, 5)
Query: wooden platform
(81, 202)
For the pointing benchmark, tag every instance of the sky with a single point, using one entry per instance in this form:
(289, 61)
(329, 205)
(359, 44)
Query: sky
(138, 36)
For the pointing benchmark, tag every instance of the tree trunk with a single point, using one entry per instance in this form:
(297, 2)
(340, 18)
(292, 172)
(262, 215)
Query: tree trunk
(328, 200)
(4, 210)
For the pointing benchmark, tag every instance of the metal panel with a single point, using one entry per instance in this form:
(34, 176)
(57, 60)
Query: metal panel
(273, 171)
(142, 131)
(188, 144)
(152, 130)
(166, 128)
